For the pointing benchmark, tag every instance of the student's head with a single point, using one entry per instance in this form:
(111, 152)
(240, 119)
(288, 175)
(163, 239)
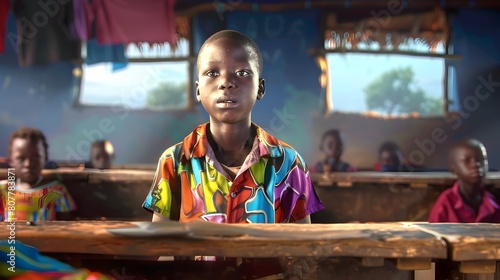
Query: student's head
(101, 154)
(389, 153)
(229, 83)
(332, 144)
(28, 153)
(469, 161)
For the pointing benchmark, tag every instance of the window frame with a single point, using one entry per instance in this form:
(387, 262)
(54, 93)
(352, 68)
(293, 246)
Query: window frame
(190, 102)
(329, 99)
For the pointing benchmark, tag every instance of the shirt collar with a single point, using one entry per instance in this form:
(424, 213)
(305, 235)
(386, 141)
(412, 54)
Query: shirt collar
(487, 201)
(196, 143)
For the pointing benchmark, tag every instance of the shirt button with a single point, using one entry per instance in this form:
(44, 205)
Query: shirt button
(233, 194)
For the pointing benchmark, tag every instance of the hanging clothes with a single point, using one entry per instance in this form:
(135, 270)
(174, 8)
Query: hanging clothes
(83, 16)
(43, 32)
(97, 53)
(4, 11)
(132, 21)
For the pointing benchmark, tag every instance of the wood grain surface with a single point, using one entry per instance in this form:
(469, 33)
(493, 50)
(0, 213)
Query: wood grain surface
(391, 240)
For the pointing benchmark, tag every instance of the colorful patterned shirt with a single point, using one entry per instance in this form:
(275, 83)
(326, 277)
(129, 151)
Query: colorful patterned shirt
(450, 207)
(38, 204)
(272, 185)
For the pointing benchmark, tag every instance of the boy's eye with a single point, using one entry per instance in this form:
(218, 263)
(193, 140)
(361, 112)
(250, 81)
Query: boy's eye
(243, 73)
(211, 73)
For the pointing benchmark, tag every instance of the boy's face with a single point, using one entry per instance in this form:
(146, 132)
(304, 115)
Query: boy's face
(228, 81)
(28, 157)
(469, 164)
(331, 147)
(389, 158)
(100, 158)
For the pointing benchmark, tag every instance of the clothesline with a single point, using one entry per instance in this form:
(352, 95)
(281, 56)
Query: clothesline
(53, 31)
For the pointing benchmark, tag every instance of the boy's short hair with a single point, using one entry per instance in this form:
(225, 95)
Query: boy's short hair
(29, 133)
(471, 143)
(388, 146)
(335, 133)
(238, 37)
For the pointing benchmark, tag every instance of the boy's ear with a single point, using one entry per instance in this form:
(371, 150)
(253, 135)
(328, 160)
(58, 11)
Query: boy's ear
(197, 92)
(262, 89)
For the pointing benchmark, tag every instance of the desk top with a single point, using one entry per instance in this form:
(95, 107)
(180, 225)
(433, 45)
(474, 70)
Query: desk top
(113, 175)
(468, 241)
(385, 240)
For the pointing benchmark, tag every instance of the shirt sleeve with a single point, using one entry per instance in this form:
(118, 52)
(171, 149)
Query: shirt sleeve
(296, 195)
(65, 202)
(161, 196)
(439, 213)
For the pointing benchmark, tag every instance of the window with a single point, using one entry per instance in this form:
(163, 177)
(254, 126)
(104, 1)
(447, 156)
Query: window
(155, 77)
(386, 85)
(397, 69)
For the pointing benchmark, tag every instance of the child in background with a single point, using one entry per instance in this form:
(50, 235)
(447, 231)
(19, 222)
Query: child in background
(230, 170)
(102, 154)
(467, 201)
(332, 146)
(390, 159)
(35, 197)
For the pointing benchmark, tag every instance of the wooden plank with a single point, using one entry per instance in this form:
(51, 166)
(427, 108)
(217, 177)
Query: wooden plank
(414, 264)
(331, 179)
(417, 178)
(467, 242)
(391, 240)
(372, 262)
(479, 267)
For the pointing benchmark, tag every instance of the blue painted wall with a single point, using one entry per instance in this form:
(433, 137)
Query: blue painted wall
(43, 96)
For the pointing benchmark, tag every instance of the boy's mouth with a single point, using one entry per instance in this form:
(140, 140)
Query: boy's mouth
(226, 101)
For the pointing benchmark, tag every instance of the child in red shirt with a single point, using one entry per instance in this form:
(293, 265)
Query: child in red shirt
(467, 201)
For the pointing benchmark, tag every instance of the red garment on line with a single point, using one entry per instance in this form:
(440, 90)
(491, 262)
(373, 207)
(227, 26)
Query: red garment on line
(132, 21)
(4, 11)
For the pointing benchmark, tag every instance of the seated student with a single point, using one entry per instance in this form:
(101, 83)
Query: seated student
(101, 155)
(390, 158)
(35, 197)
(332, 146)
(230, 170)
(467, 201)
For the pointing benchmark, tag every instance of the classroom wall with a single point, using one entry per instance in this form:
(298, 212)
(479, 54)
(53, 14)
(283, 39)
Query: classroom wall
(43, 96)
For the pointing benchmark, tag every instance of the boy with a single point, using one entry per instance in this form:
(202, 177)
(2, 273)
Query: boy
(332, 146)
(31, 197)
(101, 155)
(467, 201)
(229, 170)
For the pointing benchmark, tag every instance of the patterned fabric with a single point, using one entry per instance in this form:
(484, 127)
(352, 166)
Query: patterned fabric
(38, 204)
(272, 186)
(20, 261)
(451, 208)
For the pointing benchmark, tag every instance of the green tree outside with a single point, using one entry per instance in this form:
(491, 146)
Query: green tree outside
(395, 92)
(167, 95)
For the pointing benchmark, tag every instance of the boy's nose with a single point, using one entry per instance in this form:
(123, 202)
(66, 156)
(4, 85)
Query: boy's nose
(226, 82)
(27, 162)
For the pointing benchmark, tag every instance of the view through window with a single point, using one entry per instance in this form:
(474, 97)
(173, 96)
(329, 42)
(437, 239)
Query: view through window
(386, 84)
(155, 77)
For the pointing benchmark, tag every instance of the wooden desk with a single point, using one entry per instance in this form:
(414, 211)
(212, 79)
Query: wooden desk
(383, 251)
(392, 240)
(384, 196)
(475, 246)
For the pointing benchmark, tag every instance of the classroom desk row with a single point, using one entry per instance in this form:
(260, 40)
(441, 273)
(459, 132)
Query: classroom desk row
(117, 194)
(381, 250)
